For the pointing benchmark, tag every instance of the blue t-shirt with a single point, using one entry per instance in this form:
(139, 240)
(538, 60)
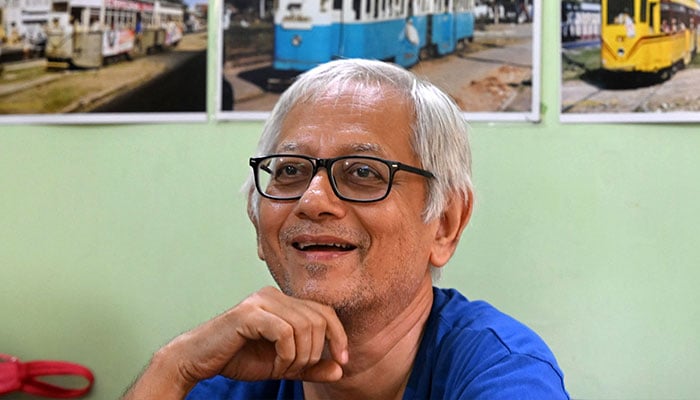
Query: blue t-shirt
(469, 350)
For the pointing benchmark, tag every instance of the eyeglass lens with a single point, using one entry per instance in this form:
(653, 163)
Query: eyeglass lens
(355, 178)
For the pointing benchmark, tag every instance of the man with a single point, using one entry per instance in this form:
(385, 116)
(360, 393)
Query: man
(361, 188)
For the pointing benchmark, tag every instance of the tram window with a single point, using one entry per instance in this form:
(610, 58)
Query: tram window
(666, 18)
(401, 5)
(357, 7)
(620, 10)
(337, 4)
(684, 20)
(397, 8)
(643, 11)
(76, 16)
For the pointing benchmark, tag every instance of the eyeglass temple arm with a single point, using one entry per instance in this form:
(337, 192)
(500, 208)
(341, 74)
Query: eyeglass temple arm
(415, 170)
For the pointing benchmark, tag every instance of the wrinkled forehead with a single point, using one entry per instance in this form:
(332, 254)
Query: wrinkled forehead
(347, 95)
(360, 92)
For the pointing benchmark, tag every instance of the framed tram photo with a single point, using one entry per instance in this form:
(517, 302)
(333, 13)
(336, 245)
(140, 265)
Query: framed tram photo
(630, 61)
(484, 53)
(103, 61)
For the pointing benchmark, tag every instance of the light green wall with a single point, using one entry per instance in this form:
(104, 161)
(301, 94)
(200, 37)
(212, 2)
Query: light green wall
(113, 239)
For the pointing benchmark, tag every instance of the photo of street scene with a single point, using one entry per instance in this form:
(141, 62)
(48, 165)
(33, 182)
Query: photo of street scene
(485, 54)
(630, 61)
(92, 61)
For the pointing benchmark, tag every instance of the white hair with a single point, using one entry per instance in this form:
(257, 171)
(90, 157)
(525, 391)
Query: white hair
(439, 131)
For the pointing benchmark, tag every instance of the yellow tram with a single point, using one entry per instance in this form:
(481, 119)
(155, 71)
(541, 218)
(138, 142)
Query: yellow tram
(648, 36)
(87, 33)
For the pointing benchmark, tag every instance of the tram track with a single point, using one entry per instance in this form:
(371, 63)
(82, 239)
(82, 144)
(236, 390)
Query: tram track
(679, 93)
(84, 90)
(11, 88)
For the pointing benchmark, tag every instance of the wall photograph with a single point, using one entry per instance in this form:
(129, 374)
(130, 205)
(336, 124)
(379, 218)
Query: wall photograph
(92, 61)
(630, 61)
(485, 54)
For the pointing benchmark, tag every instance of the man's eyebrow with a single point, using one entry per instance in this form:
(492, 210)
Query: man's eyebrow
(351, 148)
(288, 147)
(365, 147)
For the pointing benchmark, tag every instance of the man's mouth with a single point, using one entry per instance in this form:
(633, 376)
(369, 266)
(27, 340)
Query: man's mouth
(323, 246)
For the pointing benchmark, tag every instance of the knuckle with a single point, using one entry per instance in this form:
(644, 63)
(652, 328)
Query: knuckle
(314, 358)
(304, 325)
(319, 324)
(285, 357)
(285, 331)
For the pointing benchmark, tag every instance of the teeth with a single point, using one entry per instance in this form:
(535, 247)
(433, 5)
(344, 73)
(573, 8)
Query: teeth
(336, 245)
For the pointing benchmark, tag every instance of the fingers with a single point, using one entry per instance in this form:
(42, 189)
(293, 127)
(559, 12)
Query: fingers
(299, 330)
(323, 371)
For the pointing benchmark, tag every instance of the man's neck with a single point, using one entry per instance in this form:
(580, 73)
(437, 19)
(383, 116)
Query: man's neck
(381, 356)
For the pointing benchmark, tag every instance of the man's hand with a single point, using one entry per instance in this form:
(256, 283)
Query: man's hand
(267, 336)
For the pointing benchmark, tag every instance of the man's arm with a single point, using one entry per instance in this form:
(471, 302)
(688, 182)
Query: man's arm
(159, 380)
(267, 336)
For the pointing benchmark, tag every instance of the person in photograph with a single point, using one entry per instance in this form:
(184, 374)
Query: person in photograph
(138, 32)
(38, 41)
(522, 10)
(3, 34)
(359, 192)
(15, 38)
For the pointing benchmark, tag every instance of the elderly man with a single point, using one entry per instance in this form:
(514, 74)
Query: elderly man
(360, 191)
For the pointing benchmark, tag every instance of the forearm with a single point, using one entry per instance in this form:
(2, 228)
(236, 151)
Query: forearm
(160, 380)
(253, 341)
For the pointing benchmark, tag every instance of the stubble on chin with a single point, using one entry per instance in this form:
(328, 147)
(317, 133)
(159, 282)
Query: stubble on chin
(348, 303)
(316, 287)
(306, 290)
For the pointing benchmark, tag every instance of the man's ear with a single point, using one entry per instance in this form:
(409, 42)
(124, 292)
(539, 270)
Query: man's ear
(451, 225)
(254, 219)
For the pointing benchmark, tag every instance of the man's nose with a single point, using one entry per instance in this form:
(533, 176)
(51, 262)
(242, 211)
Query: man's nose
(319, 199)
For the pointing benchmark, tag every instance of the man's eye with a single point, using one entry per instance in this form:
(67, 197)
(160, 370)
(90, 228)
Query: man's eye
(291, 171)
(287, 170)
(364, 172)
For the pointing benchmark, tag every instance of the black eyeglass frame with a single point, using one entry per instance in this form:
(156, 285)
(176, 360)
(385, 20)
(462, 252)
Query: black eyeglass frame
(327, 163)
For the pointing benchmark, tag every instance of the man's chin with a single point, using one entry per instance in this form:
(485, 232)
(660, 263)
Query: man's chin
(317, 294)
(320, 294)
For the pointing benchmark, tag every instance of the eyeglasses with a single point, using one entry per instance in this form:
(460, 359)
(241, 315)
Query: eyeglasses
(353, 178)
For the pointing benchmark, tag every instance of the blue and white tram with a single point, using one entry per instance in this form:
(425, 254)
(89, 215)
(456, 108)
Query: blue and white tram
(452, 23)
(311, 32)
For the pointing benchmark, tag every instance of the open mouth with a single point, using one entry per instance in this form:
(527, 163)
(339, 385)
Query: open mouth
(323, 246)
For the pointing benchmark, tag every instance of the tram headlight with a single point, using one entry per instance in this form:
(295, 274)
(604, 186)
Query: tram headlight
(620, 52)
(296, 41)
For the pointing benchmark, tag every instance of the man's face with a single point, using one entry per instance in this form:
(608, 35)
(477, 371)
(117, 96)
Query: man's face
(352, 256)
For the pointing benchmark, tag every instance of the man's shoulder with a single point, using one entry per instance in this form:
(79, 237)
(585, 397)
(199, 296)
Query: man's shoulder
(473, 348)
(457, 318)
